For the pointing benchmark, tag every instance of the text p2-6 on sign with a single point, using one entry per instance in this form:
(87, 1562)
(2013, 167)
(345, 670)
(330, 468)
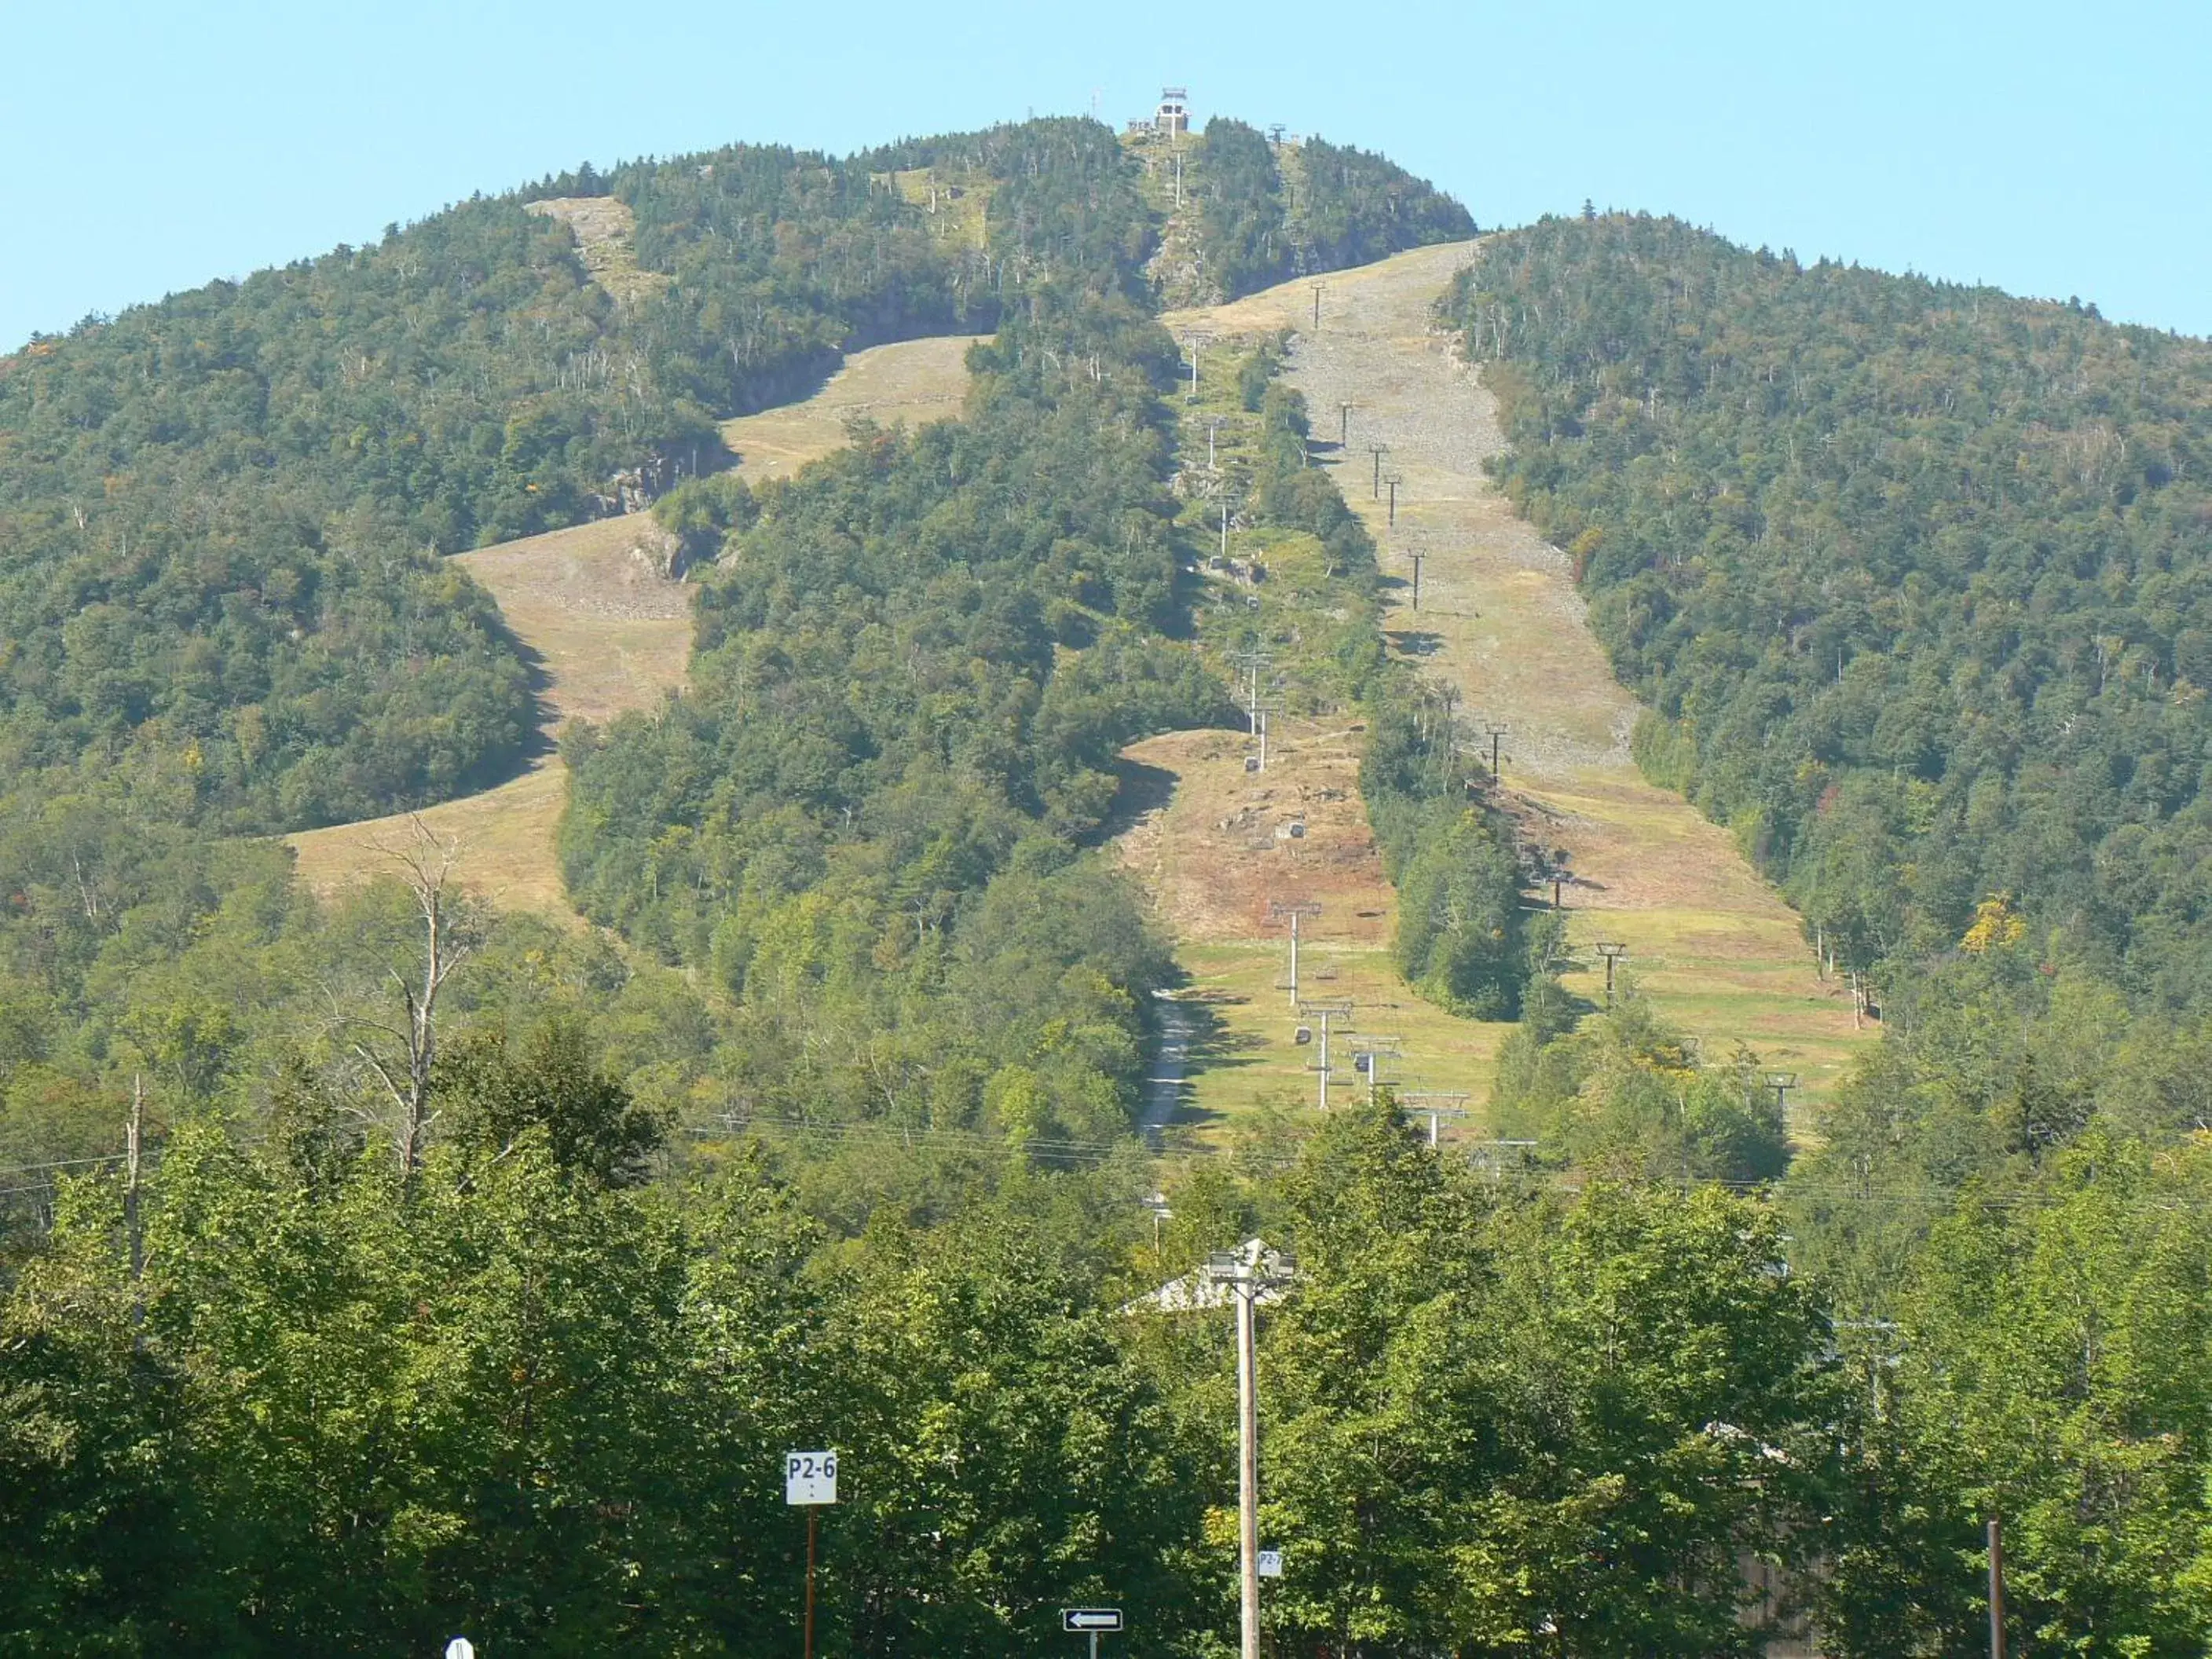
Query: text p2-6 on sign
(810, 1477)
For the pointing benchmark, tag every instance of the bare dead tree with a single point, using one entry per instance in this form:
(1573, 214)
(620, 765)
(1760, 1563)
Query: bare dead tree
(401, 1054)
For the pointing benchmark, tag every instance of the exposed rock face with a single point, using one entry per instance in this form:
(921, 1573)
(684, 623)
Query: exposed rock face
(1178, 270)
(635, 489)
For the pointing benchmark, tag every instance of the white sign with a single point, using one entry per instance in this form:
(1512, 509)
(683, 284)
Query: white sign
(1090, 1618)
(1271, 1563)
(810, 1477)
(460, 1648)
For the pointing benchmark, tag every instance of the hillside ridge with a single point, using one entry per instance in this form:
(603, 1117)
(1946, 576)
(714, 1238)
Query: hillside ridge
(1714, 948)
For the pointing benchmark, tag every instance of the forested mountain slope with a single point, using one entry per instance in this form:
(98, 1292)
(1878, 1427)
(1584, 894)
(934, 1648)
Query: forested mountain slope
(467, 378)
(220, 511)
(916, 664)
(1918, 576)
(1262, 212)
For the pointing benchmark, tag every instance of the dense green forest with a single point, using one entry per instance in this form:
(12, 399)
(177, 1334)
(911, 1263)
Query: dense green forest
(130, 942)
(866, 820)
(1914, 578)
(1902, 567)
(223, 512)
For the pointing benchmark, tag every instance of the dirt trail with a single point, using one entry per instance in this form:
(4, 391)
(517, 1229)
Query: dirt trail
(1164, 1089)
(610, 631)
(1711, 944)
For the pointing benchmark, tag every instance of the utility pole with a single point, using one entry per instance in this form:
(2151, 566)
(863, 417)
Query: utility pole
(1291, 910)
(1615, 953)
(134, 1134)
(1496, 733)
(1317, 293)
(1378, 451)
(1996, 1587)
(1213, 427)
(1417, 557)
(1343, 424)
(1324, 1012)
(1250, 1273)
(1393, 481)
(1157, 1204)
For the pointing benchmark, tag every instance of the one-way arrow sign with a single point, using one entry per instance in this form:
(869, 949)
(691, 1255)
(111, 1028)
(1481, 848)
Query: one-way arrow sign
(1090, 1618)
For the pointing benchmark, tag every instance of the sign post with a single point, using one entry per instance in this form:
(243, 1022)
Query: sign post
(1092, 1622)
(809, 1480)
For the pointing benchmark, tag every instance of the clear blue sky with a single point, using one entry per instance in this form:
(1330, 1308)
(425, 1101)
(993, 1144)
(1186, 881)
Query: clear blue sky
(2050, 150)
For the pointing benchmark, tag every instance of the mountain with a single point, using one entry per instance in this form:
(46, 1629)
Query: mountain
(222, 513)
(461, 1270)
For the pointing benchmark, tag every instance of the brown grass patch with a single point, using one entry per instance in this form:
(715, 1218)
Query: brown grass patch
(909, 382)
(608, 630)
(604, 229)
(1206, 845)
(1711, 944)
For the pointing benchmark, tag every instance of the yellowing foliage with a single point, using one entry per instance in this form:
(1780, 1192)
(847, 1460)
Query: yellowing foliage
(1996, 924)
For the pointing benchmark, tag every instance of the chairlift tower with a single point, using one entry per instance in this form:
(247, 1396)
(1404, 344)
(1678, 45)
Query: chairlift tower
(1435, 1104)
(1496, 734)
(1322, 1013)
(1367, 1057)
(1195, 342)
(1615, 953)
(1293, 910)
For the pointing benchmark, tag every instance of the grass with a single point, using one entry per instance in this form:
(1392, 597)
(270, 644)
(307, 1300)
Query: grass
(958, 201)
(1712, 945)
(608, 632)
(910, 382)
(1205, 842)
(605, 228)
